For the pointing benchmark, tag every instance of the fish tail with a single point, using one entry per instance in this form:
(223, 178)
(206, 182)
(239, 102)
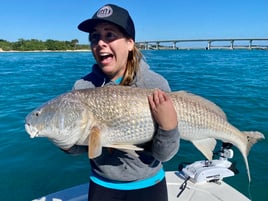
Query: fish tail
(252, 138)
(247, 167)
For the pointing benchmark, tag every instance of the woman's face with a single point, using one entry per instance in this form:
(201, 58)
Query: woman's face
(110, 48)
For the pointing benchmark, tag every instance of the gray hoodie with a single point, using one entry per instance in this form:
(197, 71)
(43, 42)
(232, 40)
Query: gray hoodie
(121, 166)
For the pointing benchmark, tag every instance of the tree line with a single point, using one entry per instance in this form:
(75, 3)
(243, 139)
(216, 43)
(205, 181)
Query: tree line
(34, 44)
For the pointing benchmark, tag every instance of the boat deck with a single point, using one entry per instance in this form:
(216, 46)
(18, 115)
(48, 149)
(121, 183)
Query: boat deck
(193, 192)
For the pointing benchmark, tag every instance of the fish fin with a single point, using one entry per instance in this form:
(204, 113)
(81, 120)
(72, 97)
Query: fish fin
(125, 146)
(94, 143)
(252, 138)
(130, 152)
(206, 146)
(128, 148)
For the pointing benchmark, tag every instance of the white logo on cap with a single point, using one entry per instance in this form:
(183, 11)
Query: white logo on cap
(105, 11)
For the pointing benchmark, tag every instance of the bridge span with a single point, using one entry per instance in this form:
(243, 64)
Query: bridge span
(239, 43)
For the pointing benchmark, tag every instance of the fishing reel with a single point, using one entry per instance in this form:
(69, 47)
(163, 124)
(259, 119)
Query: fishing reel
(211, 170)
(225, 152)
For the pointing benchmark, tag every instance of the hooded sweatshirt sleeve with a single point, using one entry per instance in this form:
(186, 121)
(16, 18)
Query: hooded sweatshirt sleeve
(165, 144)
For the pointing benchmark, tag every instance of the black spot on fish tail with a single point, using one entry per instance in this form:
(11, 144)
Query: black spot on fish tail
(252, 138)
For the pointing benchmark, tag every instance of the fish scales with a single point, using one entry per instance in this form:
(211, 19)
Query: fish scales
(119, 116)
(125, 113)
(197, 113)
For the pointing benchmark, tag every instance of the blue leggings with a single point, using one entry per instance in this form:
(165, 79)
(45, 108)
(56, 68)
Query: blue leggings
(157, 192)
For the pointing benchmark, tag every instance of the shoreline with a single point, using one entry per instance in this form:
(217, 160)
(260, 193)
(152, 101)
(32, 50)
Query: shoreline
(13, 51)
(161, 48)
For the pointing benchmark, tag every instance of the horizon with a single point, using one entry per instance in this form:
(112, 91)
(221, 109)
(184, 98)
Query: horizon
(152, 41)
(207, 44)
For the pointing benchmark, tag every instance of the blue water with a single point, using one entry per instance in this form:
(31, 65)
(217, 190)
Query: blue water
(30, 168)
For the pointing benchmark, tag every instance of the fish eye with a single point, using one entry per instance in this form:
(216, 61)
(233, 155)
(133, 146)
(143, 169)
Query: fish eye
(37, 113)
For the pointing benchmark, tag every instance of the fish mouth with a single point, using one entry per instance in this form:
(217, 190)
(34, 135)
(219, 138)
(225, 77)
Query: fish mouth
(33, 132)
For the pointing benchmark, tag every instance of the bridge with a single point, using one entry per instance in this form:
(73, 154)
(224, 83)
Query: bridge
(239, 43)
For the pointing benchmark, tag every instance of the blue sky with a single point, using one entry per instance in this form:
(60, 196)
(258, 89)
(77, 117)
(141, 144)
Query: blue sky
(154, 19)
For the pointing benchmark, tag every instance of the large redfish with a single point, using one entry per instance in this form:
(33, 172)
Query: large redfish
(120, 117)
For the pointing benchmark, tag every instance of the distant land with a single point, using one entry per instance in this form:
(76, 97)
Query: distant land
(73, 45)
(38, 45)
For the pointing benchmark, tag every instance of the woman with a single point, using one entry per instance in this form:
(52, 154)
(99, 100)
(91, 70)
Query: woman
(117, 175)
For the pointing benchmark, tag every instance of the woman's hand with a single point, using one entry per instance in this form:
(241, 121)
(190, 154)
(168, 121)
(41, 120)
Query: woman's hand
(163, 110)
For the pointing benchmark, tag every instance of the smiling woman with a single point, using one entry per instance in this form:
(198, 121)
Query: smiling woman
(107, 26)
(119, 62)
(110, 48)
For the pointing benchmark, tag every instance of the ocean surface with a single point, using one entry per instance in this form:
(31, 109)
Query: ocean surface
(29, 168)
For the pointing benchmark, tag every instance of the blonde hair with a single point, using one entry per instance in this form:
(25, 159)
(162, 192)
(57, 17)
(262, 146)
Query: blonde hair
(133, 65)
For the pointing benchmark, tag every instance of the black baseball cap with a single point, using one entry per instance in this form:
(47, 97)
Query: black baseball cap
(110, 13)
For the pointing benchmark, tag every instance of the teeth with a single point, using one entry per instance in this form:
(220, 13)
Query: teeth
(104, 54)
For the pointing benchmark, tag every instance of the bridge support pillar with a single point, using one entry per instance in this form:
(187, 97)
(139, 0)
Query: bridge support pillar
(232, 44)
(250, 45)
(174, 45)
(157, 45)
(146, 46)
(209, 45)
